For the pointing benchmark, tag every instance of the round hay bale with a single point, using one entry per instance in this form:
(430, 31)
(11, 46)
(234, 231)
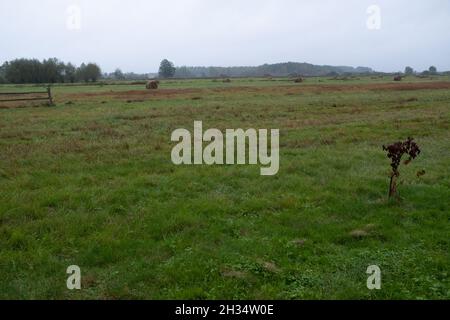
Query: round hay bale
(398, 78)
(298, 80)
(152, 85)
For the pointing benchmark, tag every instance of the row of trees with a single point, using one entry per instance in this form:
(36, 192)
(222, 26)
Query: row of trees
(47, 71)
(54, 71)
(119, 75)
(277, 70)
(166, 70)
(431, 71)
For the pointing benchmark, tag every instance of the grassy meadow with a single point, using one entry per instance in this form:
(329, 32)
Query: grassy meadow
(90, 182)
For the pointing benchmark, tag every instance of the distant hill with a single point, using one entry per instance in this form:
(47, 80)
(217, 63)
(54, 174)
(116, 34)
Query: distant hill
(274, 70)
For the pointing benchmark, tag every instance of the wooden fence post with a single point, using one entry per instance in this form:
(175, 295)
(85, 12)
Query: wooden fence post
(49, 91)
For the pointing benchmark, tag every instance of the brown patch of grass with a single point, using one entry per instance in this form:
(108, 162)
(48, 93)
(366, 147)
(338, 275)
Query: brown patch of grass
(299, 242)
(234, 274)
(132, 118)
(364, 232)
(130, 94)
(359, 234)
(327, 142)
(271, 267)
(88, 281)
(74, 146)
(101, 130)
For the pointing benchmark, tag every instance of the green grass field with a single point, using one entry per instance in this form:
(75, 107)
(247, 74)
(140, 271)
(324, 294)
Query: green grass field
(90, 182)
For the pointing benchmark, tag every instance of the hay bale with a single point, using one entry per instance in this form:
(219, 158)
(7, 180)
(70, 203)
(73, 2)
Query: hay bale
(152, 85)
(226, 80)
(398, 78)
(298, 80)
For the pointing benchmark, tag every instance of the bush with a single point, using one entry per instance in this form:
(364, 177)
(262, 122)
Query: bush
(395, 152)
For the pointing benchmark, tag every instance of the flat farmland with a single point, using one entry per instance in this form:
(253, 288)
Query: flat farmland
(90, 182)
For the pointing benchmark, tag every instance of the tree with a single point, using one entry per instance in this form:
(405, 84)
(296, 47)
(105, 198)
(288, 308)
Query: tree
(24, 71)
(81, 74)
(94, 72)
(118, 74)
(70, 73)
(166, 69)
(89, 72)
(432, 70)
(2, 73)
(52, 71)
(409, 71)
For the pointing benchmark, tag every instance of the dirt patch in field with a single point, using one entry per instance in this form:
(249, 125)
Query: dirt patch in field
(143, 95)
(409, 86)
(23, 104)
(136, 95)
(318, 88)
(155, 93)
(373, 87)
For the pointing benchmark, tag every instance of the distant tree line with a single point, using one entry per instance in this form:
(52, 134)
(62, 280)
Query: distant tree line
(166, 70)
(289, 69)
(119, 75)
(54, 71)
(430, 72)
(47, 71)
(293, 69)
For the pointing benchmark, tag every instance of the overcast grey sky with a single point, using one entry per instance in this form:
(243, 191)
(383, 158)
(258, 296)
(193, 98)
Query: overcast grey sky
(136, 35)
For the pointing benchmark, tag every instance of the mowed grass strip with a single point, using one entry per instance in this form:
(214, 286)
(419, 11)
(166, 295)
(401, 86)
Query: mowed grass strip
(90, 182)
